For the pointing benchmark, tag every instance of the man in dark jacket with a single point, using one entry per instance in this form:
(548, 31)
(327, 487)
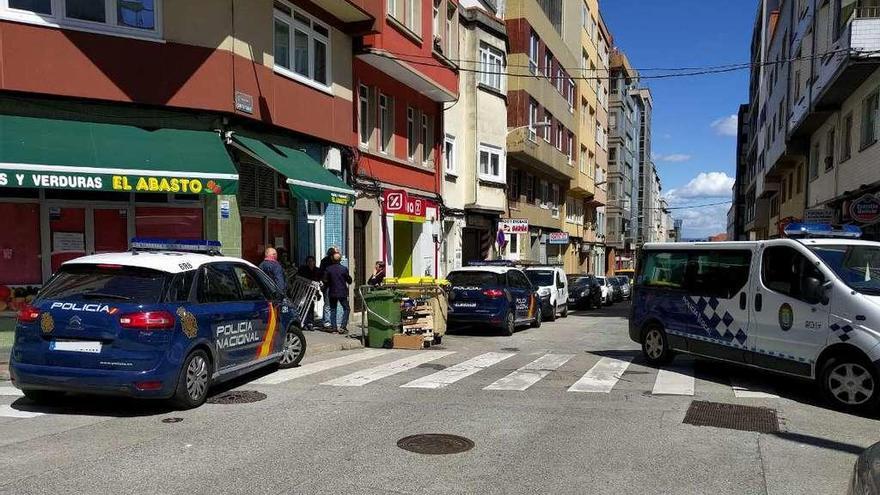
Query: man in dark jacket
(336, 278)
(273, 269)
(326, 261)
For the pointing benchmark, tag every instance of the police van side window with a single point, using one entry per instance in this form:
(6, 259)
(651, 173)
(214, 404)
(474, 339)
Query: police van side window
(664, 269)
(784, 270)
(218, 284)
(719, 273)
(181, 286)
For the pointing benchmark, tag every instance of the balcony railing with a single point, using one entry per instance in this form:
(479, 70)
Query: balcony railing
(867, 12)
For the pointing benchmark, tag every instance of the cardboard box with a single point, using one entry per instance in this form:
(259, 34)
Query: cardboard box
(401, 341)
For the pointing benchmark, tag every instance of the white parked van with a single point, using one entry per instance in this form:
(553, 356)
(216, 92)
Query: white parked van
(552, 285)
(808, 307)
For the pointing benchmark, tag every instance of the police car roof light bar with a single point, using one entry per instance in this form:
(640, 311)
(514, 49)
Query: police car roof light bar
(210, 248)
(814, 230)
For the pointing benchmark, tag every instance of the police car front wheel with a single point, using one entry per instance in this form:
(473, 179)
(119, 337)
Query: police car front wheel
(294, 348)
(194, 381)
(655, 347)
(851, 383)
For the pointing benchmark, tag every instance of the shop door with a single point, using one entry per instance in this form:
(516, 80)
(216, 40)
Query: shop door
(110, 230)
(403, 249)
(361, 219)
(20, 244)
(67, 230)
(470, 245)
(279, 238)
(252, 239)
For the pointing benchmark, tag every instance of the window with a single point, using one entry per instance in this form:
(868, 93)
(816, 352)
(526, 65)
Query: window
(548, 117)
(411, 139)
(548, 63)
(800, 178)
(814, 162)
(612, 154)
(491, 165)
(451, 32)
(784, 269)
(533, 52)
(569, 149)
(544, 193)
(513, 184)
(364, 129)
(250, 288)
(663, 269)
(135, 17)
(612, 121)
(309, 59)
(408, 13)
(181, 287)
(869, 120)
(533, 119)
(435, 16)
(718, 273)
(492, 63)
(386, 122)
(449, 154)
(582, 161)
(829, 149)
(846, 141)
(427, 142)
(572, 94)
(558, 138)
(218, 284)
(560, 81)
(530, 188)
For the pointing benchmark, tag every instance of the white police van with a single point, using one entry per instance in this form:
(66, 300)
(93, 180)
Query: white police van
(807, 305)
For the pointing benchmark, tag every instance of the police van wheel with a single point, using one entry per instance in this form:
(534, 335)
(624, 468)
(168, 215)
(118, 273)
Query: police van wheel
(655, 347)
(194, 381)
(851, 383)
(294, 348)
(539, 317)
(553, 310)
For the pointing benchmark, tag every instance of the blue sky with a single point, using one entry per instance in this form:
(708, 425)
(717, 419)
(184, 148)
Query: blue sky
(686, 144)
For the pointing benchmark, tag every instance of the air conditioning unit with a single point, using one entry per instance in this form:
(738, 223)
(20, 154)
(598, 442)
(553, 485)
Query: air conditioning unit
(333, 160)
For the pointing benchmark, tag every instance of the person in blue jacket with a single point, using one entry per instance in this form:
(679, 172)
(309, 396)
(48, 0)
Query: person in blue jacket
(273, 269)
(337, 278)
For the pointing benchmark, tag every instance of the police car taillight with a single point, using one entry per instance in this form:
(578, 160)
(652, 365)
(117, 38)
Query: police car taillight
(147, 320)
(493, 293)
(28, 314)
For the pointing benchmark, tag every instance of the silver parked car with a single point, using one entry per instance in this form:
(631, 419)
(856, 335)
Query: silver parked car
(625, 286)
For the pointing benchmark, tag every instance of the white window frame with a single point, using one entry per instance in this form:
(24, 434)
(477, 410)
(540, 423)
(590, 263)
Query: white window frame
(492, 67)
(449, 165)
(570, 138)
(364, 115)
(425, 140)
(491, 150)
(533, 119)
(533, 52)
(386, 124)
(554, 200)
(571, 95)
(58, 19)
(548, 131)
(294, 25)
(412, 140)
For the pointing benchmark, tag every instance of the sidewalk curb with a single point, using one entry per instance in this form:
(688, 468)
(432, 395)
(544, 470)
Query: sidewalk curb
(322, 348)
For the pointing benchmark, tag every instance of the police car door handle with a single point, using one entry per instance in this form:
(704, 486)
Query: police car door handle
(759, 301)
(742, 300)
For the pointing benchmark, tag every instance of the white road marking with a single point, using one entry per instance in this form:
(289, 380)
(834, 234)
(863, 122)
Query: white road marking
(674, 381)
(9, 391)
(9, 412)
(455, 373)
(743, 390)
(531, 373)
(602, 377)
(363, 377)
(318, 366)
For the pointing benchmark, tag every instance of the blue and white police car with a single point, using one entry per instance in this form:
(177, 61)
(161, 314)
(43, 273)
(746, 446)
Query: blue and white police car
(493, 295)
(807, 305)
(159, 321)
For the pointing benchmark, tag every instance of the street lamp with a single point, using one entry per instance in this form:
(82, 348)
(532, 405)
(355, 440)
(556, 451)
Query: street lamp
(546, 123)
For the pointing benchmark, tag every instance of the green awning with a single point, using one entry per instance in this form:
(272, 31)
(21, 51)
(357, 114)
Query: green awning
(78, 155)
(306, 178)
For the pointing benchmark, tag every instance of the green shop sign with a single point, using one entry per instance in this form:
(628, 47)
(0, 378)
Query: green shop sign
(139, 181)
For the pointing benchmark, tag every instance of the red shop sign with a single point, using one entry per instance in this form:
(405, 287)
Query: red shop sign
(398, 202)
(865, 209)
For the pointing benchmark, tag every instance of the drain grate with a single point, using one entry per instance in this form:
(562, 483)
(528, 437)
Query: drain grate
(237, 397)
(435, 444)
(732, 416)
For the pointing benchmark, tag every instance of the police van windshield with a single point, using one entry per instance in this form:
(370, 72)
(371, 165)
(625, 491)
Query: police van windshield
(473, 279)
(106, 283)
(540, 277)
(857, 265)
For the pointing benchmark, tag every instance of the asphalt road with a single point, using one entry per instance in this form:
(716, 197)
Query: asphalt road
(591, 417)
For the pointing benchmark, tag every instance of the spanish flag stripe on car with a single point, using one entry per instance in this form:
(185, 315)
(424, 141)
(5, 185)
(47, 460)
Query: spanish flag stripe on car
(266, 346)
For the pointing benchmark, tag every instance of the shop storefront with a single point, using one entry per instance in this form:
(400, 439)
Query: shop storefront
(411, 231)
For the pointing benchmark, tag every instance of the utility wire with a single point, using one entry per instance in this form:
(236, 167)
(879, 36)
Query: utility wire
(694, 206)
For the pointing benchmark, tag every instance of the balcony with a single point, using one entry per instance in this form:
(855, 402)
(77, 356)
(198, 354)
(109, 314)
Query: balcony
(539, 154)
(583, 185)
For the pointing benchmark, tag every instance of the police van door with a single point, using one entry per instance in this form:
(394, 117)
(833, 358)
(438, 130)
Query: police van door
(790, 328)
(234, 320)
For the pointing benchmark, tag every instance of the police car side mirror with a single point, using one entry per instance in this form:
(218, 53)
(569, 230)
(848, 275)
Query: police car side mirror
(814, 291)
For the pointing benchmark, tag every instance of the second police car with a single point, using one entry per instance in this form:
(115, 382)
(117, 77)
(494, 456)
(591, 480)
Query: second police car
(806, 306)
(152, 323)
(493, 295)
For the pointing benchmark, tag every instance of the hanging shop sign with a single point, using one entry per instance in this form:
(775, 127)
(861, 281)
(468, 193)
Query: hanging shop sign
(405, 207)
(514, 226)
(139, 183)
(557, 238)
(819, 215)
(865, 209)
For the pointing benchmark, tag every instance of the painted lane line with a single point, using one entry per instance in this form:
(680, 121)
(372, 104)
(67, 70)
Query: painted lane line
(531, 373)
(742, 390)
(363, 377)
(9, 412)
(9, 391)
(455, 373)
(602, 377)
(674, 381)
(318, 366)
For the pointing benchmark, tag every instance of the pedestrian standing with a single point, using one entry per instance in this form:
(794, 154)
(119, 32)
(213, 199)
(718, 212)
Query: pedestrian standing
(273, 269)
(337, 278)
(378, 274)
(310, 271)
(326, 261)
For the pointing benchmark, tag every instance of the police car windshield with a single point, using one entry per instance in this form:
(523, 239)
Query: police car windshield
(96, 283)
(473, 279)
(540, 277)
(578, 281)
(858, 266)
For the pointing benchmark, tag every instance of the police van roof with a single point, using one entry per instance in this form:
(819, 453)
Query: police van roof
(691, 245)
(164, 261)
(486, 268)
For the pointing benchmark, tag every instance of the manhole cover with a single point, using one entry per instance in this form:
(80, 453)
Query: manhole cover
(510, 349)
(435, 443)
(432, 366)
(172, 420)
(237, 397)
(732, 416)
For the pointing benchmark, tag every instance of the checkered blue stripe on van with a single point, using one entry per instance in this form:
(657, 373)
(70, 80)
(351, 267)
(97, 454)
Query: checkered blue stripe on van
(844, 331)
(719, 326)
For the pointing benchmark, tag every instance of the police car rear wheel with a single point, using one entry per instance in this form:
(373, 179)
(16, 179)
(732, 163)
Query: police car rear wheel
(538, 319)
(509, 325)
(294, 348)
(195, 379)
(654, 346)
(850, 383)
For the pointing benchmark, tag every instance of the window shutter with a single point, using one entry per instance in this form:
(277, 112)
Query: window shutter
(265, 187)
(247, 185)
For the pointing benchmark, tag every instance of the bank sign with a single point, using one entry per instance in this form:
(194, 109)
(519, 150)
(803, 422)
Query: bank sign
(865, 209)
(140, 183)
(514, 226)
(405, 207)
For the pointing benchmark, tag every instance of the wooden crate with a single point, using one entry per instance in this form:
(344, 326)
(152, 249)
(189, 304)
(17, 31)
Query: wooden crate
(401, 341)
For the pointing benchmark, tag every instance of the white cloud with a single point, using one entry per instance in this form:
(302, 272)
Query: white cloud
(704, 185)
(673, 158)
(725, 126)
(698, 223)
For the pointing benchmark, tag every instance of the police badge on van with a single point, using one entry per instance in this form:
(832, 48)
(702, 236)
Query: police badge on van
(786, 317)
